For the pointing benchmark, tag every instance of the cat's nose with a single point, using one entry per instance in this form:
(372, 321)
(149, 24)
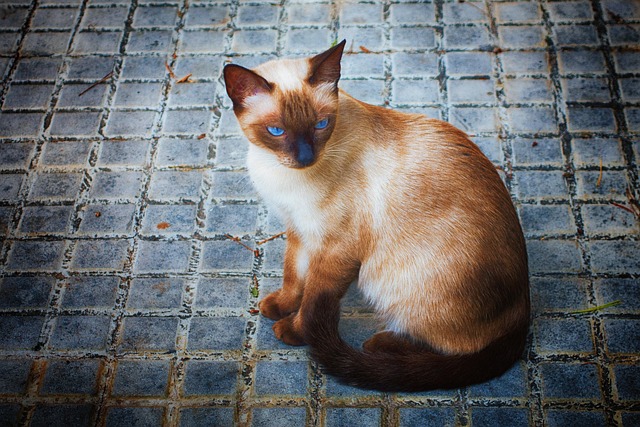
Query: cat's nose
(305, 154)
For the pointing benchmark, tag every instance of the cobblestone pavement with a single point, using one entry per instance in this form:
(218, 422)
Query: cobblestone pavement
(124, 299)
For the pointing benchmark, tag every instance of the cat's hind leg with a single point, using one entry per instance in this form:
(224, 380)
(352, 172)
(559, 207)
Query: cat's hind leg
(389, 342)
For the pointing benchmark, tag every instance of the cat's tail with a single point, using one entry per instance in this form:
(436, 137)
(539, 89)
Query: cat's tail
(416, 369)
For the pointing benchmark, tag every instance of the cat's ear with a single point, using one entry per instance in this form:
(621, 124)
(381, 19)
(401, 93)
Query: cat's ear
(325, 67)
(242, 83)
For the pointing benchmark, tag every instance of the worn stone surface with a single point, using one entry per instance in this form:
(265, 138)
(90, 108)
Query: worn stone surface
(124, 299)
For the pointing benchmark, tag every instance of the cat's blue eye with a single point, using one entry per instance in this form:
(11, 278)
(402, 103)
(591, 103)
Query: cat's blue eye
(322, 124)
(275, 131)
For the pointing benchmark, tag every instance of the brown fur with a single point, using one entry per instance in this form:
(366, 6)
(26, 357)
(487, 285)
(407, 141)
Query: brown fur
(407, 204)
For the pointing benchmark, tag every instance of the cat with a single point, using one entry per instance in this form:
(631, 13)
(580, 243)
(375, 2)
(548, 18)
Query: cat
(407, 205)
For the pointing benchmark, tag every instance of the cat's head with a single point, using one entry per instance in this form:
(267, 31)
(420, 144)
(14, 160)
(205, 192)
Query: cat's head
(288, 107)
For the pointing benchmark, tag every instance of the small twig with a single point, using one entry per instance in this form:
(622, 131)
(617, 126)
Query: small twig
(171, 73)
(185, 79)
(102, 80)
(599, 181)
(268, 239)
(618, 205)
(598, 308)
(247, 247)
(635, 206)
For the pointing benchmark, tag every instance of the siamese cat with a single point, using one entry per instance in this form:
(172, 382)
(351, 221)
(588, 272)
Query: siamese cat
(407, 205)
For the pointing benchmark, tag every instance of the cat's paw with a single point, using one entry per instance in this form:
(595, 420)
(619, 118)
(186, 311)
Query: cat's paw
(275, 306)
(286, 331)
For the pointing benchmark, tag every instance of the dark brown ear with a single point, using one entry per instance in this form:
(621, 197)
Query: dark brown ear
(325, 67)
(242, 83)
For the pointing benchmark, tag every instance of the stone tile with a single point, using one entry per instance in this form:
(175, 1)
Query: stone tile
(624, 290)
(415, 91)
(155, 16)
(104, 17)
(66, 153)
(286, 417)
(465, 36)
(586, 90)
(16, 155)
(482, 416)
(408, 13)
(90, 291)
(130, 123)
(10, 188)
(210, 377)
(624, 35)
(370, 91)
(562, 380)
(14, 375)
(225, 256)
(591, 119)
(13, 18)
(123, 153)
(149, 334)
(619, 256)
(254, 41)
(558, 294)
(143, 67)
(590, 151)
(427, 415)
(627, 383)
(20, 292)
(306, 14)
(336, 389)
(612, 185)
(622, 335)
(214, 416)
(192, 94)
(570, 11)
(629, 88)
(253, 15)
(471, 91)
(309, 40)
(523, 90)
(468, 63)
(538, 151)
(525, 62)
(521, 37)
(342, 417)
(281, 378)
(37, 68)
(542, 220)
(71, 377)
(274, 255)
(55, 186)
(414, 64)
(175, 185)
(517, 12)
(102, 255)
(36, 96)
(60, 415)
(474, 119)
(580, 61)
(116, 185)
(141, 378)
(138, 94)
(626, 61)
(232, 151)
(107, 219)
(576, 35)
(163, 256)
(33, 255)
(20, 124)
(186, 122)
(143, 416)
(229, 333)
(59, 18)
(207, 15)
(76, 123)
(155, 293)
(90, 42)
(169, 219)
(20, 332)
(202, 67)
(359, 13)
(563, 336)
(205, 42)
(232, 219)
(45, 43)
(79, 332)
(608, 219)
(6, 215)
(532, 119)
(558, 256)
(412, 37)
(232, 185)
(148, 41)
(222, 292)
(45, 219)
(265, 338)
(557, 418)
(182, 152)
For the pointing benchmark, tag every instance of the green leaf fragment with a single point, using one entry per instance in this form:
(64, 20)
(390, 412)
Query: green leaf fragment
(598, 308)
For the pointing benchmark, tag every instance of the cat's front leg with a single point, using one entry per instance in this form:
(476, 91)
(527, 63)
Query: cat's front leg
(286, 300)
(328, 273)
